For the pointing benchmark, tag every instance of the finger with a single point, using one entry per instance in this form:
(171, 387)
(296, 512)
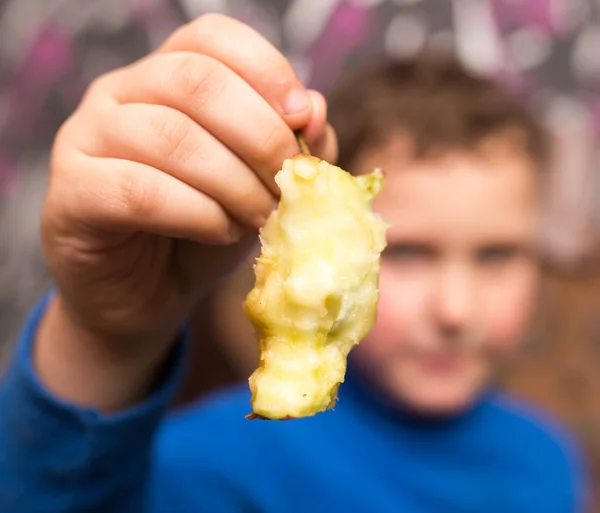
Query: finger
(252, 57)
(216, 98)
(315, 128)
(166, 139)
(128, 196)
(326, 147)
(320, 136)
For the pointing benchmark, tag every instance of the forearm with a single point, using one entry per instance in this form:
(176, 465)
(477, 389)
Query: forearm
(58, 456)
(89, 371)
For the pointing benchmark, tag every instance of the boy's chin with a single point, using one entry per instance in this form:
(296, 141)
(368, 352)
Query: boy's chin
(438, 398)
(437, 406)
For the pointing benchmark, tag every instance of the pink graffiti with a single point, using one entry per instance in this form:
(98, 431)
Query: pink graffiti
(50, 57)
(533, 13)
(349, 26)
(8, 178)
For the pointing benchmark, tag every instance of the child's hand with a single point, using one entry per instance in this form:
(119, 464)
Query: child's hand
(164, 167)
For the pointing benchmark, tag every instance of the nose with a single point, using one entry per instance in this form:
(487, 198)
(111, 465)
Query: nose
(454, 301)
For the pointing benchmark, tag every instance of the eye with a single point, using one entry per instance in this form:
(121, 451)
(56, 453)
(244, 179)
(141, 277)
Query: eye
(409, 252)
(495, 255)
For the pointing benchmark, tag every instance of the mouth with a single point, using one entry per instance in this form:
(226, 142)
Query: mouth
(440, 362)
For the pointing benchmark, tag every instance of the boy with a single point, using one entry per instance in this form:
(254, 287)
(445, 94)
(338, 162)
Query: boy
(159, 182)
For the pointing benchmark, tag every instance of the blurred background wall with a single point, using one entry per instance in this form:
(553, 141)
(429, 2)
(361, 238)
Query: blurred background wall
(546, 50)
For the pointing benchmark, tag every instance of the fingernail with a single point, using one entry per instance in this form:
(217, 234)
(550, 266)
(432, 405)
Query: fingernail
(296, 101)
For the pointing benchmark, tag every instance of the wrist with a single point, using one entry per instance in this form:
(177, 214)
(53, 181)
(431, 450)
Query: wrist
(97, 370)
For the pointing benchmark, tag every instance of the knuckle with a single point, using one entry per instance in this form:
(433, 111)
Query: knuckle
(138, 195)
(172, 134)
(100, 84)
(102, 90)
(166, 130)
(95, 86)
(210, 22)
(67, 142)
(62, 136)
(198, 77)
(272, 143)
(124, 118)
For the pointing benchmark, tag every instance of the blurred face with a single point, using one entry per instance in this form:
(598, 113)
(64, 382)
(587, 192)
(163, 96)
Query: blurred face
(458, 278)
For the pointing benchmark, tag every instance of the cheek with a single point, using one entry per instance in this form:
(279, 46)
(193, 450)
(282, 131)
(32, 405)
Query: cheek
(397, 313)
(510, 306)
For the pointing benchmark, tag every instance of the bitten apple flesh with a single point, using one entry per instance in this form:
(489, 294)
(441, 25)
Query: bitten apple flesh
(317, 286)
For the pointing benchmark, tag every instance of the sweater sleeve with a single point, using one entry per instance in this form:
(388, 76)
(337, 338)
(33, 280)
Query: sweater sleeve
(56, 457)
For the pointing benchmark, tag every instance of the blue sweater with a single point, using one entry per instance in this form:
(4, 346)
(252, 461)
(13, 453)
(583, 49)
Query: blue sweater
(362, 457)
